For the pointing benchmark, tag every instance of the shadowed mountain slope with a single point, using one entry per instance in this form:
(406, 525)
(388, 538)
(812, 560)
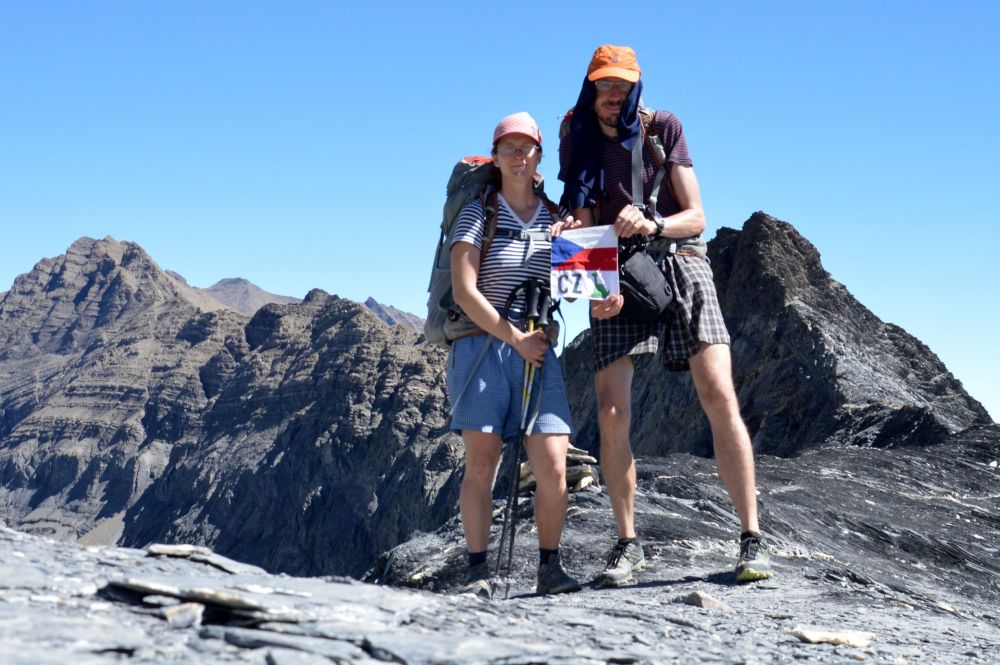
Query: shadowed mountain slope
(326, 444)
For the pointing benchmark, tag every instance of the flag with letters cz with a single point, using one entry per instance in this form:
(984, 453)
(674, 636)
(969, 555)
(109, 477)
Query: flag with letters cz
(585, 263)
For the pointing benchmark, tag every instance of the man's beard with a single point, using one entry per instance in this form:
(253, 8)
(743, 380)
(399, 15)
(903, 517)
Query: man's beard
(609, 120)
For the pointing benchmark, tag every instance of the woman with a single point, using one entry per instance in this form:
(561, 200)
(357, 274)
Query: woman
(485, 388)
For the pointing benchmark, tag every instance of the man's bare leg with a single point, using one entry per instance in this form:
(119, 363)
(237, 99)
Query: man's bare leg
(614, 418)
(711, 370)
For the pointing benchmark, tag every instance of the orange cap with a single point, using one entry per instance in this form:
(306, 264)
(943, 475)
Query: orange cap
(616, 61)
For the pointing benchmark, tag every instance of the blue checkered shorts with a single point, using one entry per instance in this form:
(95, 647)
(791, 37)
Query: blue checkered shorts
(491, 402)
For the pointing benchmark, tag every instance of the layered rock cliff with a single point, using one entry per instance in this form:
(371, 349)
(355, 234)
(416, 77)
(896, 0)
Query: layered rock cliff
(326, 443)
(101, 372)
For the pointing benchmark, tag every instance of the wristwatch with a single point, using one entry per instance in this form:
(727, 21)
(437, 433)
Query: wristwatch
(659, 226)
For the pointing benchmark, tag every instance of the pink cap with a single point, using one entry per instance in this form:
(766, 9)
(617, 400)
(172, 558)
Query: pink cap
(518, 123)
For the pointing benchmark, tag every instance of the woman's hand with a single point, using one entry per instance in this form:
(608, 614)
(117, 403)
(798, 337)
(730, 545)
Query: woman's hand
(565, 225)
(607, 308)
(531, 346)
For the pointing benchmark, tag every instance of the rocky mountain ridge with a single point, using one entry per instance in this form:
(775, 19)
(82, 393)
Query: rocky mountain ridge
(244, 296)
(312, 437)
(99, 373)
(331, 422)
(237, 293)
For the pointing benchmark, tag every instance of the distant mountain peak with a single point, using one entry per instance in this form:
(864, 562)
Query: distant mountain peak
(233, 281)
(243, 295)
(96, 284)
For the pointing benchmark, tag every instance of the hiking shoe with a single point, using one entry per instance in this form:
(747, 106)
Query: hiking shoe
(553, 579)
(478, 582)
(625, 559)
(754, 562)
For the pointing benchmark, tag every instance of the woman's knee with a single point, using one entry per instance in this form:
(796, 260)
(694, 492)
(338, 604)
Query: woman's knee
(550, 471)
(548, 459)
(482, 456)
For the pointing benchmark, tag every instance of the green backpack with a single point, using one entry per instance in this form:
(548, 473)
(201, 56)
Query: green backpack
(471, 178)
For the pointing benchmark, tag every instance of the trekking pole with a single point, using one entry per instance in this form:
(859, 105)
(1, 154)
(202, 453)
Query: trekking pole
(536, 311)
(514, 476)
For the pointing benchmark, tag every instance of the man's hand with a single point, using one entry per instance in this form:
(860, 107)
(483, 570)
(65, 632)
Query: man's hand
(607, 308)
(565, 225)
(631, 221)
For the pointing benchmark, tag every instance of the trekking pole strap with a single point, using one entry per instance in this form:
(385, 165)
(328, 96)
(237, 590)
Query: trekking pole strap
(472, 372)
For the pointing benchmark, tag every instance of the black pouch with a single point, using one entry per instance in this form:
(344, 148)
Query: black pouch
(647, 293)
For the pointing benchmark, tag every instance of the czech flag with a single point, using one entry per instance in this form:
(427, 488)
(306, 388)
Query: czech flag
(585, 263)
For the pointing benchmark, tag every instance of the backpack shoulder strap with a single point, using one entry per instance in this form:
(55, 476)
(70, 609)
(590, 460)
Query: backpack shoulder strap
(491, 209)
(659, 155)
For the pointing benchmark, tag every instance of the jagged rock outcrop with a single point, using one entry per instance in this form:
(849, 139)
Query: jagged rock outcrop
(811, 364)
(327, 443)
(101, 356)
(392, 316)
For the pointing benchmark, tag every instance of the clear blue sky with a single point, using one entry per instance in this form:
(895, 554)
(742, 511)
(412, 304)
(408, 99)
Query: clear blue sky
(304, 144)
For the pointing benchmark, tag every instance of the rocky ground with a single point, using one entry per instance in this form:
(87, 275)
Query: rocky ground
(892, 553)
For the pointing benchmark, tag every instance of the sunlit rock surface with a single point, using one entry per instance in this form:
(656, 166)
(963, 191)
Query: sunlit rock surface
(881, 556)
(904, 544)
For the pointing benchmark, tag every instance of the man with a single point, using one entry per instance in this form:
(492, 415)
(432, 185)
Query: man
(596, 165)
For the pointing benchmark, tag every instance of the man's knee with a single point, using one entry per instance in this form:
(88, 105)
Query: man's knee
(614, 393)
(711, 370)
(718, 396)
